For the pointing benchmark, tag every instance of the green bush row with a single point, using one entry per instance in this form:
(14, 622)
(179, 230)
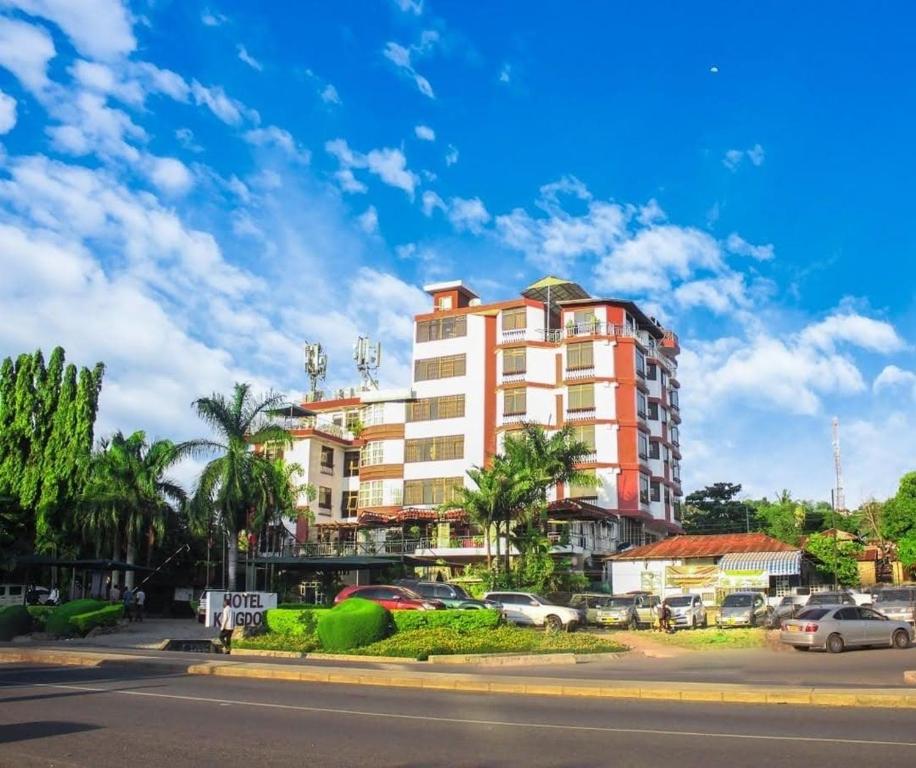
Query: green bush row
(353, 624)
(104, 617)
(276, 642)
(59, 620)
(14, 620)
(456, 618)
(289, 621)
(39, 614)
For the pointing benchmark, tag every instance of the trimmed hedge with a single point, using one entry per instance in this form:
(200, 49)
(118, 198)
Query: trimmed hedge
(39, 614)
(456, 618)
(286, 621)
(276, 642)
(301, 606)
(58, 622)
(104, 617)
(14, 620)
(352, 624)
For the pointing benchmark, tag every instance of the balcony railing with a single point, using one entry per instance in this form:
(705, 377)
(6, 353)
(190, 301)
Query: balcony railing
(509, 378)
(311, 422)
(514, 418)
(580, 414)
(579, 373)
(589, 458)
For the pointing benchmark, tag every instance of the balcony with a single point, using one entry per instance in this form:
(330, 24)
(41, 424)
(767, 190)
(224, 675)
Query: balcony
(589, 458)
(514, 418)
(327, 469)
(579, 373)
(597, 328)
(580, 414)
(311, 422)
(515, 376)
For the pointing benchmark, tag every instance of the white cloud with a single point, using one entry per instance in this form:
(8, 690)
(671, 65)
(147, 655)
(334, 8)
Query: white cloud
(272, 136)
(451, 157)
(25, 50)
(401, 58)
(250, 60)
(734, 157)
(89, 125)
(368, 221)
(185, 137)
(349, 183)
(505, 74)
(170, 175)
(424, 133)
(718, 294)
(225, 108)
(389, 164)
(467, 214)
(7, 113)
(651, 213)
(892, 377)
(100, 29)
(329, 95)
(738, 245)
(410, 6)
(855, 330)
(431, 202)
(210, 18)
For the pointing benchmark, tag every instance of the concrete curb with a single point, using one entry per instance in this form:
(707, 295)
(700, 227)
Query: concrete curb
(473, 683)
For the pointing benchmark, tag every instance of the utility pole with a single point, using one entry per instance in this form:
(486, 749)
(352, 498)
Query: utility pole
(840, 497)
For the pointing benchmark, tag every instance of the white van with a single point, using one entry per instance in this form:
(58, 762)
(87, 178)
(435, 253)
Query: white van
(12, 594)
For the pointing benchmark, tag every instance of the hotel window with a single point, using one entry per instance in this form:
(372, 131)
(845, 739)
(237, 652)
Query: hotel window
(653, 411)
(641, 404)
(585, 321)
(327, 458)
(351, 463)
(651, 371)
(442, 328)
(585, 435)
(640, 363)
(371, 493)
(643, 489)
(324, 497)
(436, 490)
(352, 418)
(675, 436)
(373, 453)
(655, 491)
(434, 448)
(514, 319)
(513, 361)
(439, 367)
(373, 414)
(514, 402)
(431, 408)
(673, 398)
(655, 450)
(587, 489)
(581, 397)
(348, 502)
(580, 356)
(643, 446)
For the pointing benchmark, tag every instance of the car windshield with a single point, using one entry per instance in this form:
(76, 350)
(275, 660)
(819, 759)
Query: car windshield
(619, 602)
(825, 598)
(896, 596)
(680, 601)
(813, 613)
(737, 601)
(410, 593)
(541, 600)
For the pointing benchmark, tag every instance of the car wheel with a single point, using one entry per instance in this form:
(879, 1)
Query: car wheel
(801, 647)
(553, 623)
(572, 626)
(900, 639)
(693, 622)
(835, 644)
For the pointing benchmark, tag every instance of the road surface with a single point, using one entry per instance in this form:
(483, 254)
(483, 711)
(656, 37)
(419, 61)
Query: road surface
(64, 717)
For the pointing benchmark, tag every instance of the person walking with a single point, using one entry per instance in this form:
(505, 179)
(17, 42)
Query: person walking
(128, 604)
(225, 623)
(140, 597)
(115, 594)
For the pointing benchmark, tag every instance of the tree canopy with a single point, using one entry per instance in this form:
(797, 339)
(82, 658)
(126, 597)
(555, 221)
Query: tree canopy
(717, 509)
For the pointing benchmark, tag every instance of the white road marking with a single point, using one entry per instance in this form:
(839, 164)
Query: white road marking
(470, 721)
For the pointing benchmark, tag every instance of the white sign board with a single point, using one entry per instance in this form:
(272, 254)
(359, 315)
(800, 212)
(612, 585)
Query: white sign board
(248, 608)
(183, 594)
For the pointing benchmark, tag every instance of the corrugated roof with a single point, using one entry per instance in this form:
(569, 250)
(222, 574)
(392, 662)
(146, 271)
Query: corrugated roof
(706, 546)
(775, 563)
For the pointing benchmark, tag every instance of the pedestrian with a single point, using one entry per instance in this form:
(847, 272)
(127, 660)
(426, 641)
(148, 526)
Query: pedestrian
(140, 597)
(115, 594)
(225, 623)
(53, 596)
(128, 604)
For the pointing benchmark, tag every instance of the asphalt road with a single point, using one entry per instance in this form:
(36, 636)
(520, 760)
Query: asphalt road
(64, 717)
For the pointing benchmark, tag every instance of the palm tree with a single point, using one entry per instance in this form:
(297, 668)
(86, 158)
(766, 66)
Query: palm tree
(240, 486)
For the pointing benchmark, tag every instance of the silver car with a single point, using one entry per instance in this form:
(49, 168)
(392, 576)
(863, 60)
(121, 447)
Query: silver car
(743, 609)
(687, 611)
(835, 628)
(898, 603)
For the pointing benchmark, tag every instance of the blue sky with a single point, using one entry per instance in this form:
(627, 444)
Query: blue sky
(189, 190)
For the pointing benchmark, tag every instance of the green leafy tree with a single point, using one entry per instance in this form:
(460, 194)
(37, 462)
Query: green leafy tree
(835, 557)
(240, 485)
(899, 517)
(717, 509)
(906, 550)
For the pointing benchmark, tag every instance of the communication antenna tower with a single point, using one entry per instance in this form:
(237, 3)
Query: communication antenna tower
(840, 498)
(316, 367)
(368, 358)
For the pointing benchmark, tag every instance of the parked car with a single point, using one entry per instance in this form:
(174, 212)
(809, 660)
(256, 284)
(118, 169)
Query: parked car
(743, 609)
(630, 611)
(787, 608)
(451, 595)
(842, 597)
(42, 596)
(835, 628)
(529, 608)
(12, 594)
(898, 603)
(687, 611)
(590, 602)
(392, 597)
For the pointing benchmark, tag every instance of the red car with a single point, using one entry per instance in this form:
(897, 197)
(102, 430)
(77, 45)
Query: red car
(392, 598)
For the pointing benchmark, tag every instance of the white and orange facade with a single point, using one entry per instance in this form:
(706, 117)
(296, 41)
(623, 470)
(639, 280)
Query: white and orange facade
(552, 356)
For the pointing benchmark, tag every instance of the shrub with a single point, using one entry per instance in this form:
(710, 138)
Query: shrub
(286, 621)
(39, 614)
(58, 622)
(276, 642)
(104, 617)
(300, 606)
(14, 620)
(459, 619)
(353, 624)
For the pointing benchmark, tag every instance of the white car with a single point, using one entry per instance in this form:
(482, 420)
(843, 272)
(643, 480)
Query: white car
(687, 611)
(529, 608)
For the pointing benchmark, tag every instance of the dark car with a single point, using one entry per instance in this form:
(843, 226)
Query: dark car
(451, 595)
(391, 597)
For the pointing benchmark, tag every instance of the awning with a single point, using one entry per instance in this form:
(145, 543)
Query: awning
(776, 563)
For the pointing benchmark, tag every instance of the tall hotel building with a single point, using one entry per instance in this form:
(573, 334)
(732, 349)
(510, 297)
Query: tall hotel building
(383, 462)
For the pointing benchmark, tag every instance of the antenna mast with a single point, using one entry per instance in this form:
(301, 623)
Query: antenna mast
(316, 367)
(368, 358)
(840, 497)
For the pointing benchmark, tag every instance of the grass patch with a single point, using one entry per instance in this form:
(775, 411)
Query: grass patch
(714, 638)
(422, 643)
(276, 642)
